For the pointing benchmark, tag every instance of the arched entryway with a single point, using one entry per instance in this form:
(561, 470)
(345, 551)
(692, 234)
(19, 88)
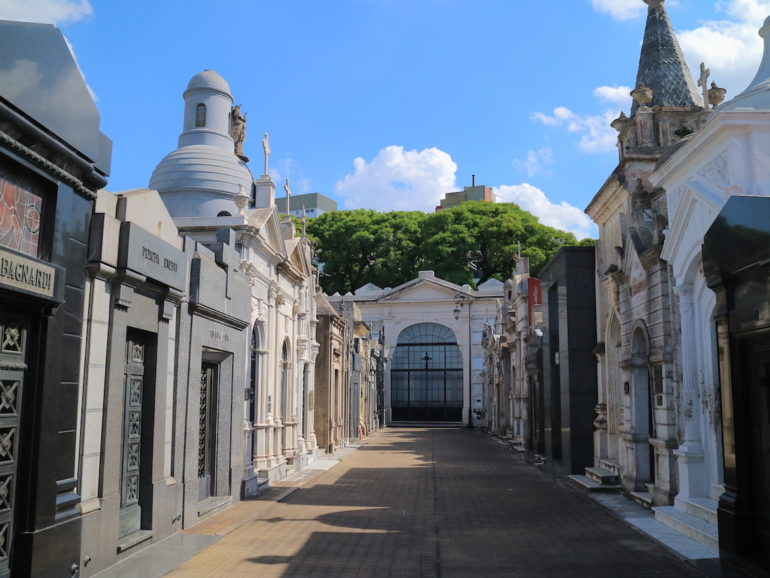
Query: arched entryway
(426, 375)
(642, 409)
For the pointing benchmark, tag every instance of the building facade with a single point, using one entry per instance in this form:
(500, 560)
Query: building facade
(638, 411)
(432, 339)
(207, 185)
(53, 160)
(568, 389)
(704, 180)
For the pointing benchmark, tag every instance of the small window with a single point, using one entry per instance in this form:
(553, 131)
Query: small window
(200, 115)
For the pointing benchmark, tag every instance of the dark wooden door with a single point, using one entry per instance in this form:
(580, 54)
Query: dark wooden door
(14, 330)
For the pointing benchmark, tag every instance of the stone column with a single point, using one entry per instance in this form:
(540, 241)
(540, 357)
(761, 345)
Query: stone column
(690, 454)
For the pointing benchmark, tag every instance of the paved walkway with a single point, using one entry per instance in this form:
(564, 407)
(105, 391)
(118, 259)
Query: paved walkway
(429, 502)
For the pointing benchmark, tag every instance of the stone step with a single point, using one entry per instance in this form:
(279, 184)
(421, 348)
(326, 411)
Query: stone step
(694, 528)
(609, 465)
(592, 485)
(603, 476)
(642, 498)
(451, 424)
(702, 508)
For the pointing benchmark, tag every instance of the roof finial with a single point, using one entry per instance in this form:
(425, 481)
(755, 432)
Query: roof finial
(266, 148)
(287, 188)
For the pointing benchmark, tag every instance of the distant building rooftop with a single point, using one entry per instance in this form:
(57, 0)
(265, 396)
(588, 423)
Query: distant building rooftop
(314, 204)
(472, 193)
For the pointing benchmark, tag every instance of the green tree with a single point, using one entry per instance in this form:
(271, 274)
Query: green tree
(480, 240)
(364, 246)
(474, 241)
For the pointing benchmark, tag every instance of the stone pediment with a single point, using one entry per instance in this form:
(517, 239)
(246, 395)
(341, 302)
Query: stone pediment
(270, 230)
(423, 290)
(297, 256)
(697, 206)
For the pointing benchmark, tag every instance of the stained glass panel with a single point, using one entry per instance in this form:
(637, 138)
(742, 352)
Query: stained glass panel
(21, 206)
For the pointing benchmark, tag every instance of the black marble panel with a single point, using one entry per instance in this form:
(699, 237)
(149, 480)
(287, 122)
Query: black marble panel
(39, 76)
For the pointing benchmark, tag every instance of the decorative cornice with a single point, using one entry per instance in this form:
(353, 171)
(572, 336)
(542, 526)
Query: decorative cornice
(41, 162)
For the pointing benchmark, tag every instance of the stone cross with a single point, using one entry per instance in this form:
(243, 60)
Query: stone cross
(703, 83)
(266, 148)
(287, 188)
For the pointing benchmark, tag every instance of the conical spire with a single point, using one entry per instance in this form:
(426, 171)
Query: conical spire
(662, 66)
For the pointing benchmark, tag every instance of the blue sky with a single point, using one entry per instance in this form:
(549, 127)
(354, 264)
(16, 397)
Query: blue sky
(389, 104)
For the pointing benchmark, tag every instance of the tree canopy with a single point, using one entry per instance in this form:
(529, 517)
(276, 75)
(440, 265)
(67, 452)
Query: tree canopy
(469, 243)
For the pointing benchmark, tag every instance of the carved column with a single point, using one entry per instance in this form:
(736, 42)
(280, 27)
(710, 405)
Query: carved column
(690, 453)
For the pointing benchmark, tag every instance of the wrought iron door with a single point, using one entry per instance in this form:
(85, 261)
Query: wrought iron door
(13, 349)
(207, 430)
(131, 514)
(426, 378)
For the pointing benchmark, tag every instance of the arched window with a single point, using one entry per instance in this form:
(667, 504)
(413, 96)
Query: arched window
(284, 379)
(427, 375)
(254, 389)
(200, 115)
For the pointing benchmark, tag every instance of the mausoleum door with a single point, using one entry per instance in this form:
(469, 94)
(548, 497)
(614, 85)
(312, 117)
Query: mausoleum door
(133, 426)
(427, 375)
(756, 369)
(207, 430)
(14, 329)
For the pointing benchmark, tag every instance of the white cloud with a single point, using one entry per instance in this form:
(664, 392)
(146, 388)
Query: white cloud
(536, 161)
(730, 47)
(45, 11)
(399, 180)
(561, 216)
(620, 9)
(596, 134)
(617, 96)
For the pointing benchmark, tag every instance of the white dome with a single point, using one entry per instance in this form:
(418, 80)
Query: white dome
(757, 94)
(208, 79)
(201, 181)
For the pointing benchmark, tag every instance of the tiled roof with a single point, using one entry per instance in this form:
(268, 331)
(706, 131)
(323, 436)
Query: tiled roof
(662, 66)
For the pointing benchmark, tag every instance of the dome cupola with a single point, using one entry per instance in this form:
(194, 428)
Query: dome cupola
(203, 175)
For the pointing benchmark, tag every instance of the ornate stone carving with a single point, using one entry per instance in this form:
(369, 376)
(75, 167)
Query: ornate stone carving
(717, 171)
(642, 95)
(600, 422)
(716, 95)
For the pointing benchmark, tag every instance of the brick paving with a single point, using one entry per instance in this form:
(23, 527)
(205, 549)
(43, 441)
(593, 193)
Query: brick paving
(432, 502)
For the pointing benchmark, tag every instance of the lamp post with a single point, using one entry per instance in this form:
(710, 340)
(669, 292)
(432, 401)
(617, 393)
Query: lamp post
(460, 300)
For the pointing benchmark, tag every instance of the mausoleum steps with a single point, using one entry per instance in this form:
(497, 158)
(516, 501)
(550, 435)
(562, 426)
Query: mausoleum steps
(694, 528)
(642, 498)
(696, 518)
(592, 485)
(598, 480)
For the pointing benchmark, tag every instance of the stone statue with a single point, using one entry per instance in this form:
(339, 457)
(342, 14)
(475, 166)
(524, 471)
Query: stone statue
(703, 83)
(266, 148)
(238, 129)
